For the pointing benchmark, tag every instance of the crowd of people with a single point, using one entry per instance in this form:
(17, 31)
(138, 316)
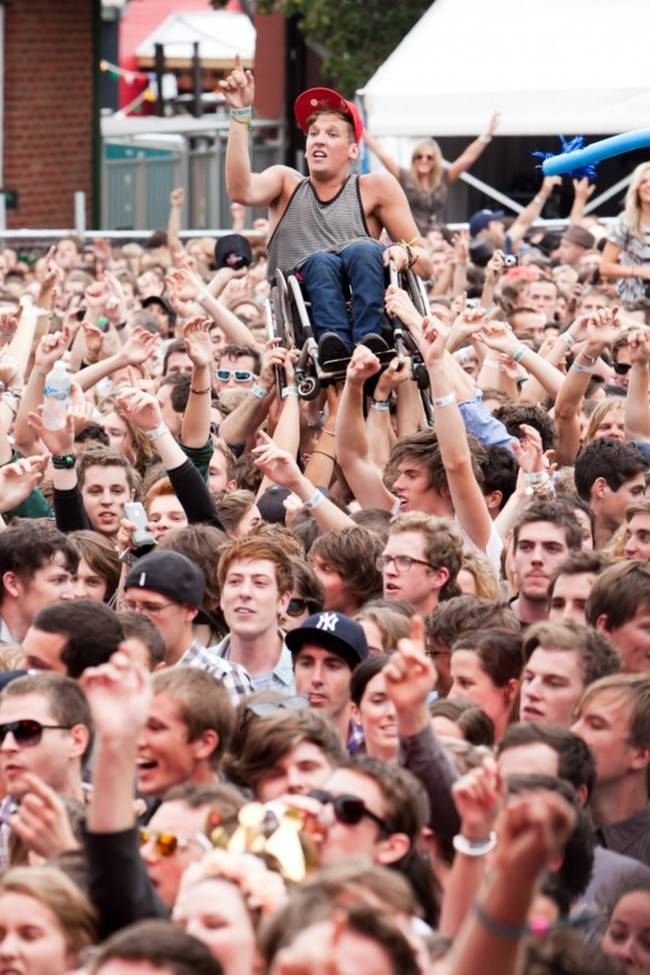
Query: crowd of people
(319, 686)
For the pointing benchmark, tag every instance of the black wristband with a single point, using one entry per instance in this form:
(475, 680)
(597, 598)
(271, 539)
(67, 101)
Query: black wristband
(63, 462)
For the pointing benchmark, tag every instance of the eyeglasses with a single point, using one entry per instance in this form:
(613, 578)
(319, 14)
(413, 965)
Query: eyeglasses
(403, 563)
(350, 810)
(153, 609)
(240, 375)
(296, 606)
(167, 844)
(27, 732)
(423, 155)
(263, 709)
(622, 368)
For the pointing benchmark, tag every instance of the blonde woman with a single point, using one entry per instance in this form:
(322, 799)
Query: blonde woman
(607, 420)
(626, 256)
(425, 182)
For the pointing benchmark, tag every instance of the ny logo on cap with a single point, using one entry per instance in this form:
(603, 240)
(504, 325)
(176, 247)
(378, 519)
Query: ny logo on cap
(327, 622)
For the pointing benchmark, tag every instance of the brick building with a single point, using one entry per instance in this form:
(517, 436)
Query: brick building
(48, 125)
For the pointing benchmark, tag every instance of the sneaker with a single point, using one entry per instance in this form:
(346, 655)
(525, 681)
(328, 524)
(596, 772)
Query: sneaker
(331, 348)
(375, 343)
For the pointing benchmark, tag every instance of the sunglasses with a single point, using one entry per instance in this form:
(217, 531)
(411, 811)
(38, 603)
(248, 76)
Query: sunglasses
(27, 732)
(296, 606)
(423, 155)
(241, 375)
(350, 810)
(622, 368)
(167, 844)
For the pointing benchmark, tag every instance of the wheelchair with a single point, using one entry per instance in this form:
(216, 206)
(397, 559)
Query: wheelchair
(288, 318)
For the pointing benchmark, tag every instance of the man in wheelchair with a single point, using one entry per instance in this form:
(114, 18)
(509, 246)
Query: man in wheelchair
(326, 226)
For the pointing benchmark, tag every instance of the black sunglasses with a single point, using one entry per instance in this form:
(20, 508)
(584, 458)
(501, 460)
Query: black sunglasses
(296, 606)
(350, 810)
(622, 368)
(27, 732)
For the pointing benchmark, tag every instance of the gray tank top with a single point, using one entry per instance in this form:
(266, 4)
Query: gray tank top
(309, 225)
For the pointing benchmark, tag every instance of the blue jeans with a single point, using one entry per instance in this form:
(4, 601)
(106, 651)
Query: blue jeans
(328, 276)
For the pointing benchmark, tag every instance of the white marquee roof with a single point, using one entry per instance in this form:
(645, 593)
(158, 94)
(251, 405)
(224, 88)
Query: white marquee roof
(549, 66)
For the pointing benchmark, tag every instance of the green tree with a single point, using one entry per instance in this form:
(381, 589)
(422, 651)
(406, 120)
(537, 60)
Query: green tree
(353, 36)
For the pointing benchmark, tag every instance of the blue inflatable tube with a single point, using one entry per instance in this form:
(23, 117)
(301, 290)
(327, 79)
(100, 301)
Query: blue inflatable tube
(616, 145)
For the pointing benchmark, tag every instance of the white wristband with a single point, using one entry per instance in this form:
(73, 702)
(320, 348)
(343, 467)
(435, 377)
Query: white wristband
(203, 295)
(485, 139)
(471, 849)
(567, 338)
(157, 432)
(259, 391)
(447, 400)
(317, 498)
(382, 405)
(289, 391)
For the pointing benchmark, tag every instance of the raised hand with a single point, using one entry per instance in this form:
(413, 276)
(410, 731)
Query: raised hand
(396, 373)
(639, 345)
(603, 327)
(410, 675)
(460, 242)
(62, 441)
(477, 797)
(10, 374)
(362, 366)
(8, 326)
(239, 87)
(41, 820)
(177, 197)
(18, 480)
(533, 831)
(499, 337)
(119, 694)
(398, 303)
(549, 183)
(50, 349)
(275, 356)
(198, 343)
(493, 124)
(435, 339)
(583, 189)
(495, 266)
(183, 285)
(276, 464)
(102, 250)
(97, 295)
(94, 338)
(140, 346)
(142, 409)
(528, 450)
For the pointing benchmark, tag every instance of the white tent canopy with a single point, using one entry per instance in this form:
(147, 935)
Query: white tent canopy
(221, 35)
(559, 66)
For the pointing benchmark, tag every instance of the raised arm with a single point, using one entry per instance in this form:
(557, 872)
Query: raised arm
(188, 286)
(244, 186)
(466, 496)
(600, 330)
(195, 431)
(384, 158)
(475, 149)
(176, 199)
(582, 190)
(281, 468)
(534, 209)
(352, 452)
(637, 405)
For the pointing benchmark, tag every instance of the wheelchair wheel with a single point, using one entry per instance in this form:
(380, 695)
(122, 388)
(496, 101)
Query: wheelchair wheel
(282, 311)
(309, 388)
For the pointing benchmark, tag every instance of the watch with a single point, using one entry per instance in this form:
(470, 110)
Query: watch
(63, 462)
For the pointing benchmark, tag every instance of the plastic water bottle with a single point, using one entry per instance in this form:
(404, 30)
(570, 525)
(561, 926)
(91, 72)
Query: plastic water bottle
(57, 397)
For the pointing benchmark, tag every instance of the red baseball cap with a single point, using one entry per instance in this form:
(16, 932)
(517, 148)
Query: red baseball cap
(320, 99)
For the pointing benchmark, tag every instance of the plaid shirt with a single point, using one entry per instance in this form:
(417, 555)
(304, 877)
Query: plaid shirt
(356, 739)
(8, 807)
(233, 677)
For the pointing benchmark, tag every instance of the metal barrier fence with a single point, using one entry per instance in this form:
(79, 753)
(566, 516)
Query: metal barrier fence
(139, 173)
